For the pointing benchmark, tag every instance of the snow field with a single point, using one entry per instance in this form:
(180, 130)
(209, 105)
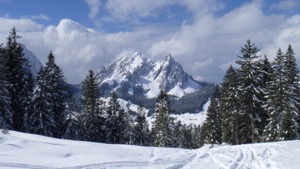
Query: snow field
(19, 150)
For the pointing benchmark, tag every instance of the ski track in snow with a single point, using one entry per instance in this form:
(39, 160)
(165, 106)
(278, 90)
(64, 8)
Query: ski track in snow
(232, 157)
(49, 153)
(229, 158)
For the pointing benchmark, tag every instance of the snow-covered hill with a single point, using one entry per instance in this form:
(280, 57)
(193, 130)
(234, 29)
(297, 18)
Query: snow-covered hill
(134, 74)
(19, 150)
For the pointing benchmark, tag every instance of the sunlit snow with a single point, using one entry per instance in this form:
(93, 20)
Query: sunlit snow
(19, 150)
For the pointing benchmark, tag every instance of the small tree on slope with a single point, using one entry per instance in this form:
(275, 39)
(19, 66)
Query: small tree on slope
(161, 127)
(115, 121)
(141, 129)
(42, 118)
(213, 124)
(58, 90)
(230, 107)
(249, 94)
(93, 112)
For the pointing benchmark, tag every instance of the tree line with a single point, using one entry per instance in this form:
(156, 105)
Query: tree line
(256, 102)
(44, 105)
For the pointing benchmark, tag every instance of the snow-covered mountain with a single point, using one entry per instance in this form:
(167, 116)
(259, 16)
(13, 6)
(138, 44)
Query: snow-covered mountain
(135, 74)
(33, 60)
(20, 150)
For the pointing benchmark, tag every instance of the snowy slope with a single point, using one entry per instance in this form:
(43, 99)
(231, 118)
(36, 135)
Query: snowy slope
(197, 118)
(19, 150)
(193, 118)
(132, 73)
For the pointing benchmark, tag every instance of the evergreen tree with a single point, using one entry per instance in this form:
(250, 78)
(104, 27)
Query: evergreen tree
(73, 124)
(128, 137)
(141, 129)
(178, 135)
(187, 141)
(249, 94)
(230, 107)
(93, 118)
(198, 136)
(57, 86)
(115, 123)
(28, 103)
(275, 99)
(42, 118)
(264, 77)
(290, 117)
(6, 115)
(282, 99)
(161, 127)
(18, 73)
(213, 123)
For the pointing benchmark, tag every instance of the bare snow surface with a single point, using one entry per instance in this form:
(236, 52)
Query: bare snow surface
(19, 150)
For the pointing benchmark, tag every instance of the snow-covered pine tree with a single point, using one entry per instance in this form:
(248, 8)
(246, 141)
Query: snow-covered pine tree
(198, 136)
(290, 117)
(73, 124)
(264, 77)
(28, 104)
(178, 135)
(93, 112)
(282, 99)
(213, 121)
(128, 137)
(42, 118)
(162, 131)
(275, 99)
(187, 141)
(58, 90)
(18, 73)
(230, 107)
(115, 123)
(141, 132)
(6, 115)
(249, 94)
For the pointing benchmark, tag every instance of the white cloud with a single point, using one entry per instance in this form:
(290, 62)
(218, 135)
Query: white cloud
(202, 65)
(21, 24)
(133, 9)
(205, 47)
(94, 6)
(286, 5)
(137, 9)
(40, 17)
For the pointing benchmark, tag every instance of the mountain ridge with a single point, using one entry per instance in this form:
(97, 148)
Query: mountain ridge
(137, 72)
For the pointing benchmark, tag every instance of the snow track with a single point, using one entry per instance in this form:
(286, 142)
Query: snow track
(19, 150)
(255, 156)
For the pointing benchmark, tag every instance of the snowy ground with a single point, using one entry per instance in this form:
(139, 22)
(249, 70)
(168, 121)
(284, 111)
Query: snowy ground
(18, 150)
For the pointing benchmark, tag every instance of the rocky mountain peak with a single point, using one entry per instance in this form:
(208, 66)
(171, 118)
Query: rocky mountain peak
(133, 72)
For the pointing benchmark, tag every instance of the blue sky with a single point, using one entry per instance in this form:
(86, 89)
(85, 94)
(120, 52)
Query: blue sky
(172, 13)
(205, 36)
